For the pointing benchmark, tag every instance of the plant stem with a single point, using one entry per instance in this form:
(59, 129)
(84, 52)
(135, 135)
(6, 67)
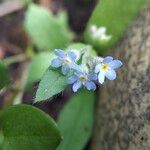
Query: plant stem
(22, 82)
(15, 59)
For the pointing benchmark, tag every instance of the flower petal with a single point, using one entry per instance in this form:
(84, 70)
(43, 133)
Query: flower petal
(65, 70)
(92, 76)
(105, 37)
(90, 85)
(111, 74)
(78, 73)
(72, 55)
(76, 86)
(101, 78)
(72, 79)
(56, 63)
(97, 68)
(107, 59)
(75, 66)
(115, 64)
(93, 28)
(60, 53)
(101, 31)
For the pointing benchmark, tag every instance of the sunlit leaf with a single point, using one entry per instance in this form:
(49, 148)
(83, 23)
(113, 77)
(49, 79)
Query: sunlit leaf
(46, 30)
(38, 66)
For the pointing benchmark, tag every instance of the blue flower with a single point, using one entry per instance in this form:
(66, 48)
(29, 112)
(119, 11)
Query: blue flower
(107, 69)
(82, 79)
(66, 60)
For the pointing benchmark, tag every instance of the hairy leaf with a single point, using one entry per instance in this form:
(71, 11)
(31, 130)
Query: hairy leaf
(52, 83)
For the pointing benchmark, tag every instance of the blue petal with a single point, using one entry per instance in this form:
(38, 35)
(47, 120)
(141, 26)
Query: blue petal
(111, 74)
(56, 63)
(72, 79)
(78, 73)
(65, 70)
(72, 55)
(75, 66)
(92, 76)
(115, 64)
(76, 86)
(60, 53)
(107, 59)
(97, 68)
(90, 85)
(101, 78)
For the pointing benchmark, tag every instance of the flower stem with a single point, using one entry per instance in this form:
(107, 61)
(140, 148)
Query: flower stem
(15, 59)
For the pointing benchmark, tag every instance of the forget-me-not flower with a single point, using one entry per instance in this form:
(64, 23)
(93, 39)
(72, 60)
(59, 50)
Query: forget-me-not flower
(107, 69)
(99, 33)
(66, 60)
(82, 79)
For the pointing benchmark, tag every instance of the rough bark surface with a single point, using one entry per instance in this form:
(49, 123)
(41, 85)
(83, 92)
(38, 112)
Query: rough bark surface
(123, 110)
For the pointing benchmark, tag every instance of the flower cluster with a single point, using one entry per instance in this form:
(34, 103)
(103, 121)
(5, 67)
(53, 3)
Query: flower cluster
(87, 78)
(65, 60)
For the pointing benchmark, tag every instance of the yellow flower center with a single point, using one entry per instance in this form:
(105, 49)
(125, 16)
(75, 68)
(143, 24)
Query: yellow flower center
(82, 78)
(104, 67)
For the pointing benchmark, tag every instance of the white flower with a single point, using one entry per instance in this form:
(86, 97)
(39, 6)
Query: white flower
(99, 33)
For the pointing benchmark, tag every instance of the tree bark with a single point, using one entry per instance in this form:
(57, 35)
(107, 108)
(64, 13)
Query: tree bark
(123, 109)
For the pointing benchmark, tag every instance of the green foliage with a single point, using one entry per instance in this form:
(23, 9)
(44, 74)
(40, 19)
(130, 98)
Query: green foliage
(77, 46)
(1, 140)
(52, 83)
(26, 2)
(25, 127)
(75, 121)
(4, 75)
(47, 31)
(80, 46)
(115, 16)
(38, 66)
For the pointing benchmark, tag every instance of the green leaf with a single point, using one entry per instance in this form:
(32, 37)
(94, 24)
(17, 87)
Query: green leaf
(76, 120)
(77, 46)
(38, 66)
(25, 127)
(52, 83)
(47, 31)
(115, 16)
(1, 139)
(81, 46)
(4, 75)
(86, 53)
